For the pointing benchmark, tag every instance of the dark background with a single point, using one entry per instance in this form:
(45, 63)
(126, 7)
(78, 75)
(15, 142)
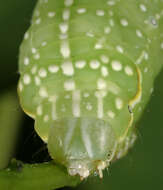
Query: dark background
(141, 169)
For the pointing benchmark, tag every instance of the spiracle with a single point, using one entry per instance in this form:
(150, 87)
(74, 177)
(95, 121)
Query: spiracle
(87, 69)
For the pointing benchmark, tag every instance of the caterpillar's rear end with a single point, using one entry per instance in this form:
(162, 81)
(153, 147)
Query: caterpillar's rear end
(86, 74)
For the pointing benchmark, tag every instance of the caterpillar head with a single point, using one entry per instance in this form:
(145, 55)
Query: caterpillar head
(82, 70)
(82, 144)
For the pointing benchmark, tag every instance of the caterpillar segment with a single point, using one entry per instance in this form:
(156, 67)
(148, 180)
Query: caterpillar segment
(86, 73)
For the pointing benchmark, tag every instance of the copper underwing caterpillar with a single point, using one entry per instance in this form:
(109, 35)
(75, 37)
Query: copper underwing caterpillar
(87, 70)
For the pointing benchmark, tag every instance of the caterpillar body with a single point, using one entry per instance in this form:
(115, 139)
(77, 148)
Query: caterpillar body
(87, 71)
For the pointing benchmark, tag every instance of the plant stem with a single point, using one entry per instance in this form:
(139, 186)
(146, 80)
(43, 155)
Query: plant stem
(10, 115)
(44, 176)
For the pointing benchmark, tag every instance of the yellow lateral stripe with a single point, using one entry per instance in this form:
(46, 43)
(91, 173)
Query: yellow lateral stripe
(133, 102)
(126, 131)
(138, 95)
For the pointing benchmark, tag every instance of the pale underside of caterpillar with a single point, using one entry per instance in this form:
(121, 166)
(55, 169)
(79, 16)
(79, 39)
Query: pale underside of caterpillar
(87, 70)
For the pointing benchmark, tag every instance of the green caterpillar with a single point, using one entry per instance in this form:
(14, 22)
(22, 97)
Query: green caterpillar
(87, 71)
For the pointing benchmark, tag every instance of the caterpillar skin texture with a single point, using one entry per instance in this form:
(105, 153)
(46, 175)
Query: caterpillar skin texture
(87, 71)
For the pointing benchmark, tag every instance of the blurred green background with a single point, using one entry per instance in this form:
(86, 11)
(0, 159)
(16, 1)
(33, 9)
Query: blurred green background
(142, 168)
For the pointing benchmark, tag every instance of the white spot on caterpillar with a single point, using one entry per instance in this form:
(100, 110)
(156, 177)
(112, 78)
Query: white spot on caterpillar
(68, 3)
(124, 22)
(104, 71)
(67, 68)
(139, 34)
(86, 95)
(81, 10)
(151, 90)
(42, 73)
(152, 21)
(65, 50)
(39, 110)
(89, 106)
(27, 79)
(161, 45)
(53, 99)
(80, 64)
(107, 30)
(90, 34)
(146, 56)
(51, 14)
(116, 66)
(98, 45)
(100, 95)
(111, 3)
(37, 81)
(46, 118)
(100, 13)
(94, 64)
(38, 21)
(111, 22)
(44, 44)
(143, 7)
(26, 35)
(129, 71)
(33, 50)
(111, 114)
(69, 85)
(76, 103)
(118, 103)
(63, 27)
(37, 56)
(34, 70)
(104, 59)
(66, 14)
(20, 86)
(43, 92)
(53, 68)
(145, 69)
(26, 61)
(119, 49)
(101, 84)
